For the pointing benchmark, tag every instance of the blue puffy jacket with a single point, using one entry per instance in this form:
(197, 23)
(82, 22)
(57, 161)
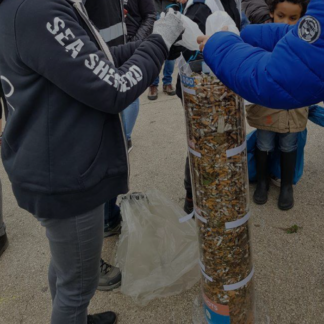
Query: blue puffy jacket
(274, 65)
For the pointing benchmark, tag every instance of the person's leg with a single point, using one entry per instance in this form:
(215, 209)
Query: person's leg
(168, 71)
(129, 116)
(265, 144)
(112, 218)
(167, 78)
(156, 81)
(75, 245)
(0, 118)
(288, 144)
(153, 89)
(3, 235)
(110, 276)
(188, 206)
(52, 280)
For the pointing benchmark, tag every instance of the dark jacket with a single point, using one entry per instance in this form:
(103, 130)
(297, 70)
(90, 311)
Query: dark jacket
(140, 19)
(108, 16)
(257, 11)
(63, 146)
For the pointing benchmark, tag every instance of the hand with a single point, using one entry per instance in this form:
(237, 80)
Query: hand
(169, 26)
(182, 1)
(202, 40)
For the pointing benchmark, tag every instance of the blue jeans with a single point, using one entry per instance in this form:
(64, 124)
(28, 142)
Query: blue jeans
(266, 141)
(129, 116)
(73, 275)
(167, 73)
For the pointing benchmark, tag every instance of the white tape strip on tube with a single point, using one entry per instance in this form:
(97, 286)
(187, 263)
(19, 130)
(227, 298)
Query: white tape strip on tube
(236, 150)
(195, 153)
(189, 91)
(202, 219)
(240, 284)
(201, 265)
(186, 218)
(206, 276)
(239, 222)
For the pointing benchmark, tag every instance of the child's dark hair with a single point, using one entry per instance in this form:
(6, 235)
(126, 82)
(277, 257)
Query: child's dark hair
(303, 3)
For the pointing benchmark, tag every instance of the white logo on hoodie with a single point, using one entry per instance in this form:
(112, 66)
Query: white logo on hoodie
(75, 47)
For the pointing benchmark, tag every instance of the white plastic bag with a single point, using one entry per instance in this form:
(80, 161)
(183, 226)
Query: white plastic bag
(190, 35)
(217, 21)
(158, 255)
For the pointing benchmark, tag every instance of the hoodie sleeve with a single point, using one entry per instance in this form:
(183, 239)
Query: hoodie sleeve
(122, 53)
(265, 36)
(291, 76)
(58, 48)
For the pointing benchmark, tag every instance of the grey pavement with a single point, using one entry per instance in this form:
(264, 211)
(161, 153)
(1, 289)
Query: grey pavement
(289, 267)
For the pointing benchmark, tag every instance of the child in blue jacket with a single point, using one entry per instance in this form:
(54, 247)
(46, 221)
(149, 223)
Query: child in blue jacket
(274, 65)
(278, 126)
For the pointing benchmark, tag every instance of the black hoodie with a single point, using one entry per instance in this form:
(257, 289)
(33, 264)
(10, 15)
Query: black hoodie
(63, 146)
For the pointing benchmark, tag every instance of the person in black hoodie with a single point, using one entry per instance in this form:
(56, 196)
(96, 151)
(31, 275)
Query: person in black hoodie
(63, 145)
(198, 12)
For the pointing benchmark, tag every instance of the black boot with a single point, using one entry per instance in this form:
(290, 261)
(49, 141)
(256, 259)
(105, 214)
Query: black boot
(188, 205)
(3, 243)
(103, 318)
(260, 196)
(288, 163)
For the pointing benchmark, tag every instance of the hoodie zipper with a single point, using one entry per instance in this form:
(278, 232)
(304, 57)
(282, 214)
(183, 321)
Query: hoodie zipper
(91, 28)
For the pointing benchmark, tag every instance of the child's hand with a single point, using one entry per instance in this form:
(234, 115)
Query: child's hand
(202, 40)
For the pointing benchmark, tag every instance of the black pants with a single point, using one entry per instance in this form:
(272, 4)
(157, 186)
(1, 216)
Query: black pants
(4, 104)
(187, 179)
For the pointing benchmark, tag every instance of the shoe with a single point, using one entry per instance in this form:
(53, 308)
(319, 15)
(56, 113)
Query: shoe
(110, 277)
(286, 197)
(112, 230)
(3, 243)
(129, 145)
(169, 90)
(102, 318)
(260, 196)
(153, 93)
(188, 205)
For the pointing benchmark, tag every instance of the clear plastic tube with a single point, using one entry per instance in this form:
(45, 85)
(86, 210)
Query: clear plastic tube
(215, 124)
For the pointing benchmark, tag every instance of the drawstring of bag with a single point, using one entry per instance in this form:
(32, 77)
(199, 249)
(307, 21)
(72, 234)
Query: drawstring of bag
(179, 5)
(194, 57)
